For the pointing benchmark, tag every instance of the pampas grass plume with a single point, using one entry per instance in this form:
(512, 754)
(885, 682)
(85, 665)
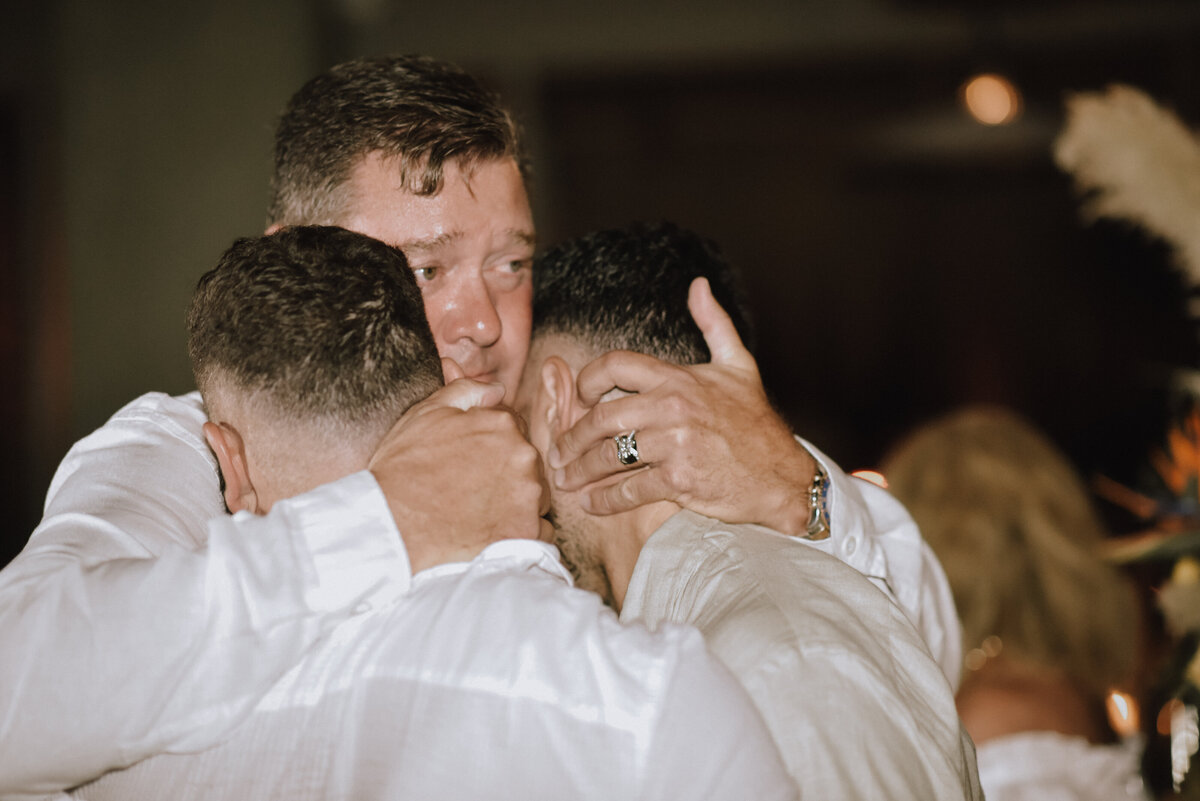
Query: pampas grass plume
(1135, 160)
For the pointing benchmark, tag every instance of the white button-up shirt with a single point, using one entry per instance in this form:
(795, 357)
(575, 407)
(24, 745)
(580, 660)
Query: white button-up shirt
(490, 679)
(123, 597)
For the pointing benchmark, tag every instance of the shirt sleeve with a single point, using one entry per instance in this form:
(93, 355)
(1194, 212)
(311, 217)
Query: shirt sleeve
(140, 618)
(711, 743)
(873, 533)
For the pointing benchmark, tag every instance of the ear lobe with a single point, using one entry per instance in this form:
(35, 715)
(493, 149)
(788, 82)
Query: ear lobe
(230, 451)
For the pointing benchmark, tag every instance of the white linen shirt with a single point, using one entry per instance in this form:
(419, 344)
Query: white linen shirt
(848, 688)
(122, 596)
(131, 625)
(491, 679)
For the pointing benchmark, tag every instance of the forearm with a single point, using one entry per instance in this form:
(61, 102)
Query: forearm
(120, 621)
(110, 663)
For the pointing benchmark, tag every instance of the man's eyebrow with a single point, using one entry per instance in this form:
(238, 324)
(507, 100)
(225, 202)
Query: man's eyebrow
(435, 242)
(432, 243)
(524, 237)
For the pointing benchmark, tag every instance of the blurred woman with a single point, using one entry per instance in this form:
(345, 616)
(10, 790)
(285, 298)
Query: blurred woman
(1048, 628)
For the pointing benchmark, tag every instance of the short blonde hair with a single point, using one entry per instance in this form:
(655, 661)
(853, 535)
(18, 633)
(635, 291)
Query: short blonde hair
(1016, 532)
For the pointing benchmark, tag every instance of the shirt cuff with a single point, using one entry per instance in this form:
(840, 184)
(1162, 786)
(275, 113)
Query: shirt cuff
(850, 538)
(354, 546)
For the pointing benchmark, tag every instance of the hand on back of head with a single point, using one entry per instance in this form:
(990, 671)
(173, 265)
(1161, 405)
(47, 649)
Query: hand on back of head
(459, 474)
(706, 433)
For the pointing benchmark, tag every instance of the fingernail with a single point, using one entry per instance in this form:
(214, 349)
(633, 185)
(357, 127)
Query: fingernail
(559, 477)
(555, 457)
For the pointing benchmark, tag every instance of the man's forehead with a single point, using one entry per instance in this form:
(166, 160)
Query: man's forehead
(486, 203)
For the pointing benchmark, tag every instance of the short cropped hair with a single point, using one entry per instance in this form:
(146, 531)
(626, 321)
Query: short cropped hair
(1017, 535)
(323, 324)
(420, 112)
(627, 289)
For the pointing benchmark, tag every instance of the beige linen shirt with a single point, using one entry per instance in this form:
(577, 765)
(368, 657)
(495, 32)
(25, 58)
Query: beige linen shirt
(847, 686)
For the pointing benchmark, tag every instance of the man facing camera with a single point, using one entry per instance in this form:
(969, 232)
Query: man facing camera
(855, 701)
(116, 645)
(492, 678)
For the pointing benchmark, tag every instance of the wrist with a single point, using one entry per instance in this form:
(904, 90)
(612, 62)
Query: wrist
(789, 492)
(816, 525)
(803, 510)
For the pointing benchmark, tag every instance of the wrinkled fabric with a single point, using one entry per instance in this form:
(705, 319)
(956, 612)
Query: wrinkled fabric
(112, 608)
(873, 533)
(493, 679)
(846, 684)
(1048, 766)
(131, 624)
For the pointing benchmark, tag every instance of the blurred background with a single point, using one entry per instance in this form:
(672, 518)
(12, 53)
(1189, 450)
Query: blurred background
(902, 258)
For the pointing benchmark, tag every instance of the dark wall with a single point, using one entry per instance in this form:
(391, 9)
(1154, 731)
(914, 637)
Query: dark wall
(901, 260)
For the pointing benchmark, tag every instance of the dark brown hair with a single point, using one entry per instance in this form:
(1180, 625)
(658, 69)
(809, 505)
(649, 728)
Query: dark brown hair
(322, 323)
(627, 289)
(420, 112)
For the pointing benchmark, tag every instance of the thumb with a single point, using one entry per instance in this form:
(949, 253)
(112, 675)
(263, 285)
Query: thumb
(719, 332)
(466, 393)
(450, 370)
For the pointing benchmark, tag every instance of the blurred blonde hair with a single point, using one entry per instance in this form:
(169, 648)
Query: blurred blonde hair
(1015, 530)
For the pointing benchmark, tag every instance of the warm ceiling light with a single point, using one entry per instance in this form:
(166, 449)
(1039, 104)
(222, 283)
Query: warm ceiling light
(991, 99)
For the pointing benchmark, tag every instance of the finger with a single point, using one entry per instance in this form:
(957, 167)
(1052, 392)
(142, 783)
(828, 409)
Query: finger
(465, 393)
(596, 463)
(621, 369)
(602, 422)
(640, 488)
(718, 329)
(450, 370)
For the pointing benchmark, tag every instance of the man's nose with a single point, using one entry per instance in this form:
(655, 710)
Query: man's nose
(472, 315)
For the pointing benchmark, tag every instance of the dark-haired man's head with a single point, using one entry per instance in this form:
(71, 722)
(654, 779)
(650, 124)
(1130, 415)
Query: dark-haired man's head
(418, 154)
(307, 345)
(627, 289)
(624, 289)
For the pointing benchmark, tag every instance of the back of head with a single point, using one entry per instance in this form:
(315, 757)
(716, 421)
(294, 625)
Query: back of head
(420, 112)
(313, 327)
(1015, 530)
(627, 289)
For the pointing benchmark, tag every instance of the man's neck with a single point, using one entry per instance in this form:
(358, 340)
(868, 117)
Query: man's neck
(619, 540)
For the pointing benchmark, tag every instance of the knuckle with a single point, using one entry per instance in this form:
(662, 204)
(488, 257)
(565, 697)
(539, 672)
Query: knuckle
(601, 415)
(627, 493)
(676, 405)
(676, 476)
(685, 439)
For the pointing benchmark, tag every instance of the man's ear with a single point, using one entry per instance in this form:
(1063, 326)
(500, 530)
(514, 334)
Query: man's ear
(556, 406)
(227, 444)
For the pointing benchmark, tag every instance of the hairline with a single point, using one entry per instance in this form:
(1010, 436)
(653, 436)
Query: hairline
(331, 205)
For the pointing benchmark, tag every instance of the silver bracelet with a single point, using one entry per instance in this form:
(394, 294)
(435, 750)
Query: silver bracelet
(818, 506)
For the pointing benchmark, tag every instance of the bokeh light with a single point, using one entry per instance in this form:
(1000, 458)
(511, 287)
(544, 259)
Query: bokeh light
(991, 99)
